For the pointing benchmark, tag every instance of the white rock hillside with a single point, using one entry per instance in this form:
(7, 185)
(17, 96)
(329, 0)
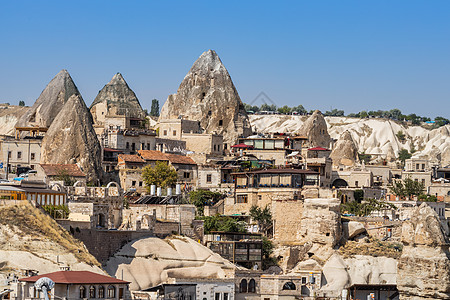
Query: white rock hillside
(372, 136)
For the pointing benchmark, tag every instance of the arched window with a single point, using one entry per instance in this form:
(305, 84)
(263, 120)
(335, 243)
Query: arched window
(290, 286)
(252, 286)
(101, 292)
(243, 286)
(82, 292)
(111, 292)
(92, 291)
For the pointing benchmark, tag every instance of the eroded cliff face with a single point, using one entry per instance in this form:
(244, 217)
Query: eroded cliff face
(424, 267)
(316, 130)
(9, 115)
(345, 151)
(115, 99)
(207, 94)
(71, 139)
(50, 102)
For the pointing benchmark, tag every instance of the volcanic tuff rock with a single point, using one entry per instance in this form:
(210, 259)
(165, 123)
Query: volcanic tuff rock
(9, 115)
(424, 267)
(71, 139)
(345, 151)
(116, 98)
(149, 262)
(315, 129)
(50, 102)
(207, 94)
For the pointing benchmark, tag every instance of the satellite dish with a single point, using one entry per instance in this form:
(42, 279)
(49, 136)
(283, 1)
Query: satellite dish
(45, 285)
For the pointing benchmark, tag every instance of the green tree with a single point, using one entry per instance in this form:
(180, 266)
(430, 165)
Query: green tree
(223, 223)
(403, 155)
(363, 114)
(202, 198)
(284, 110)
(267, 107)
(154, 112)
(334, 113)
(407, 188)
(263, 217)
(401, 136)
(267, 250)
(365, 208)
(300, 109)
(364, 157)
(21, 103)
(161, 175)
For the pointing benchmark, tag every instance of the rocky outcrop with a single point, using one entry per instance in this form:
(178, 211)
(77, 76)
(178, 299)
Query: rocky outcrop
(9, 115)
(315, 129)
(345, 151)
(321, 226)
(32, 240)
(116, 99)
(352, 229)
(50, 102)
(424, 266)
(207, 94)
(149, 262)
(71, 139)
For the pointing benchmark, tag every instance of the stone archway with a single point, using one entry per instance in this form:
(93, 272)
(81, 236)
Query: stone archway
(338, 183)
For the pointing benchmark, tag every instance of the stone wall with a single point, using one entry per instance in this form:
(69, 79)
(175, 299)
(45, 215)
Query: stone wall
(286, 214)
(104, 243)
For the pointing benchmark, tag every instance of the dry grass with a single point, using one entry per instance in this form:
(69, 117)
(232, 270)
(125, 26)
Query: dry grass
(30, 221)
(372, 247)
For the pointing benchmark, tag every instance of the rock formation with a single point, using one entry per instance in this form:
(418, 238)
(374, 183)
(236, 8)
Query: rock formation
(50, 102)
(321, 225)
(149, 262)
(424, 267)
(9, 115)
(345, 151)
(71, 139)
(116, 98)
(315, 129)
(32, 240)
(207, 94)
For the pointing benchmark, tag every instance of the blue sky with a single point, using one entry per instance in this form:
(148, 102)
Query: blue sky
(350, 55)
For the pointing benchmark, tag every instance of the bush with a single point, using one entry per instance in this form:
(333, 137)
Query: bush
(202, 198)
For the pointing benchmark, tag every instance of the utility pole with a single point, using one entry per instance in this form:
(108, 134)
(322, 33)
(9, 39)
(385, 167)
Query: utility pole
(7, 163)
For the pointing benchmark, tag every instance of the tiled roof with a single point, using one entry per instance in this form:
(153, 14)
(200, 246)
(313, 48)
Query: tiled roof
(130, 158)
(58, 169)
(76, 277)
(160, 156)
(153, 155)
(180, 159)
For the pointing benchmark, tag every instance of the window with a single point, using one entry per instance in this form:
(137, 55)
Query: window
(186, 175)
(423, 181)
(9, 154)
(165, 132)
(241, 199)
(208, 178)
(243, 286)
(101, 292)
(82, 292)
(92, 291)
(290, 286)
(356, 183)
(220, 122)
(252, 286)
(133, 146)
(128, 145)
(111, 292)
(140, 183)
(217, 296)
(417, 166)
(225, 146)
(133, 183)
(174, 133)
(423, 166)
(19, 155)
(142, 146)
(32, 156)
(303, 280)
(225, 296)
(214, 148)
(148, 146)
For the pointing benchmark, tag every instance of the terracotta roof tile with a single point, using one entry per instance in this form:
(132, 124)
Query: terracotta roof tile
(153, 155)
(130, 158)
(76, 277)
(180, 159)
(57, 169)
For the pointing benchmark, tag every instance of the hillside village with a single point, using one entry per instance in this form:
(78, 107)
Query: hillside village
(207, 201)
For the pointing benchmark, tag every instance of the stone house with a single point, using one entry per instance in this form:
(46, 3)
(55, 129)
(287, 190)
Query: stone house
(318, 159)
(418, 176)
(298, 286)
(57, 172)
(209, 176)
(21, 152)
(76, 285)
(130, 172)
(417, 165)
(185, 166)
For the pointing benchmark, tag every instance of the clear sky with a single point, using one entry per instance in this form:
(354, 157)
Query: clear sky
(350, 55)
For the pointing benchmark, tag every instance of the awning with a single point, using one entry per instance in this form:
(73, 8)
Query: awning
(241, 146)
(295, 153)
